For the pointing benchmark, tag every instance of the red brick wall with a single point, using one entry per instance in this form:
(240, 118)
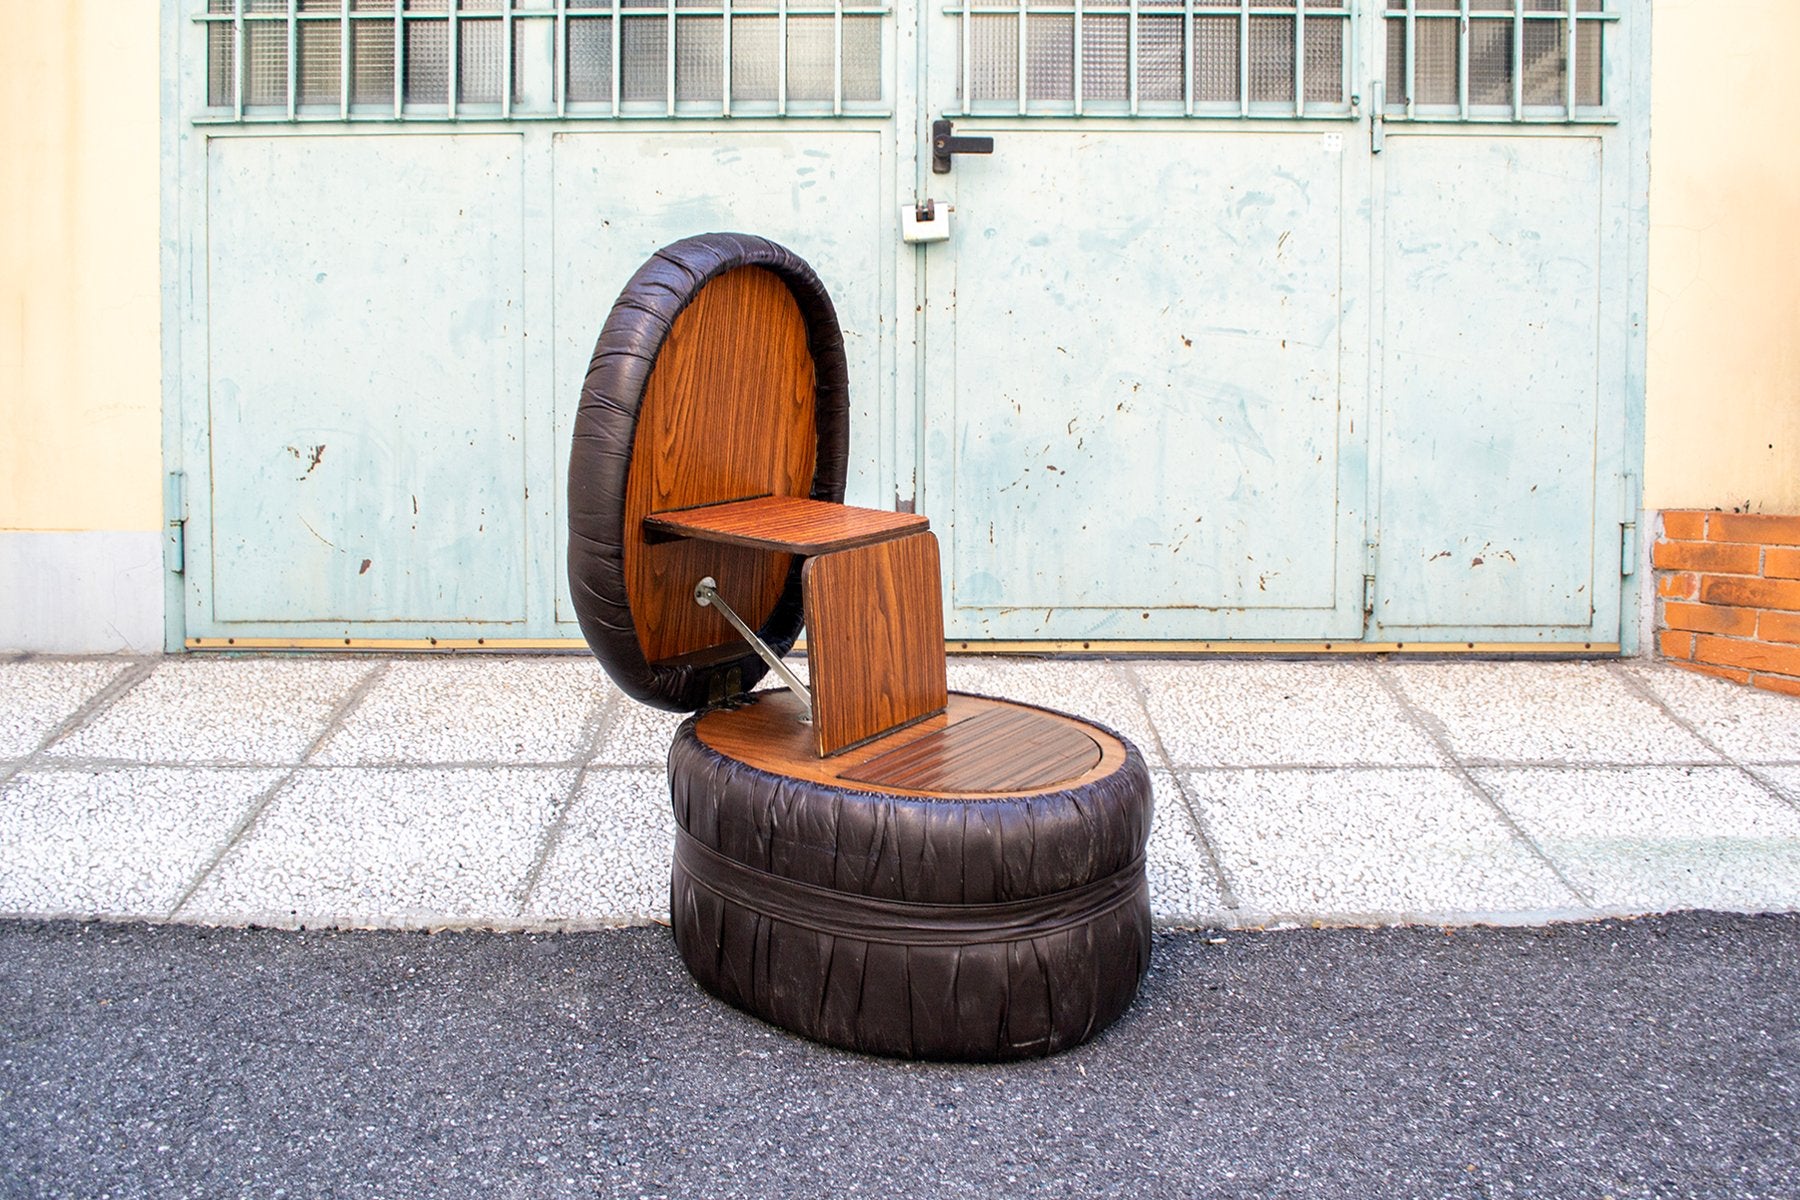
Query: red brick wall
(1728, 596)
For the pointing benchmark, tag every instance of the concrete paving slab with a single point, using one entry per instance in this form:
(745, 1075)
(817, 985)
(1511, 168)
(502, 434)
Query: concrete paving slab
(116, 842)
(610, 864)
(240, 711)
(37, 695)
(1524, 712)
(1785, 780)
(1748, 724)
(1370, 846)
(1184, 886)
(1094, 689)
(635, 735)
(1654, 839)
(1280, 714)
(386, 848)
(473, 710)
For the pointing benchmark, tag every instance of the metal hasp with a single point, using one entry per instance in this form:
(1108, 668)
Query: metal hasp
(945, 143)
(706, 594)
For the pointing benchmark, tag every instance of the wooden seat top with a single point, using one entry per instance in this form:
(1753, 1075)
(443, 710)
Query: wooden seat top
(791, 524)
(976, 748)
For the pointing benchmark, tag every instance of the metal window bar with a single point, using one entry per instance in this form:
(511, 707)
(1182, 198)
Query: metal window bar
(1243, 58)
(1187, 58)
(1578, 23)
(291, 34)
(1131, 57)
(1300, 57)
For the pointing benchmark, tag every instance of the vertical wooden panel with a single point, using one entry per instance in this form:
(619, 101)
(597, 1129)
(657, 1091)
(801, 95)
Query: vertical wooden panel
(875, 639)
(727, 414)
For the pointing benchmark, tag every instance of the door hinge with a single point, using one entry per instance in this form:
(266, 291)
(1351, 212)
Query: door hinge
(1377, 106)
(175, 530)
(1628, 515)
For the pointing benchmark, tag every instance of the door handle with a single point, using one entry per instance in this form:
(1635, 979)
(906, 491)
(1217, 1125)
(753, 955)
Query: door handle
(945, 143)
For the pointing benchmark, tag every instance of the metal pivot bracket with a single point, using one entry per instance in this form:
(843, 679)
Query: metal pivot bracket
(945, 143)
(706, 595)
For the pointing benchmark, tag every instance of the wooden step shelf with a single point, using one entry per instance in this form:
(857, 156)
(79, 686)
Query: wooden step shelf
(790, 524)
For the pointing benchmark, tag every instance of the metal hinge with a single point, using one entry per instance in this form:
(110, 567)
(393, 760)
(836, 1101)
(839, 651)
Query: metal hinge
(1368, 583)
(1377, 106)
(1628, 510)
(175, 530)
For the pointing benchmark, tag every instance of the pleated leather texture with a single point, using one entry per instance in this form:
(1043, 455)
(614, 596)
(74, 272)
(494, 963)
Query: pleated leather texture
(606, 427)
(978, 930)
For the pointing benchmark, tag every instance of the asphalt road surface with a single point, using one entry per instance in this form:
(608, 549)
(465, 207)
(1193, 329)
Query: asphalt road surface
(1655, 1058)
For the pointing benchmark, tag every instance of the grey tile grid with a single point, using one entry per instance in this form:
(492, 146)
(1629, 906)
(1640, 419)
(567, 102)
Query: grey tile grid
(599, 718)
(1744, 724)
(131, 673)
(1434, 729)
(1158, 754)
(347, 703)
(1638, 684)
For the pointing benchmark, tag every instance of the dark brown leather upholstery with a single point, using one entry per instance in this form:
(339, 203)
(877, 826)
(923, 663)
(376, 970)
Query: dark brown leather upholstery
(600, 457)
(988, 929)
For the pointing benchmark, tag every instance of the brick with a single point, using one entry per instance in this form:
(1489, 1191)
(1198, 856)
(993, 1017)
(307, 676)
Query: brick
(1715, 558)
(1780, 562)
(1684, 525)
(1779, 627)
(1779, 683)
(1766, 528)
(1716, 672)
(1674, 643)
(1751, 656)
(1751, 593)
(1711, 618)
(1677, 585)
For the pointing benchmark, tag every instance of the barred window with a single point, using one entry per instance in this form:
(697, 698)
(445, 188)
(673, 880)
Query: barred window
(1256, 58)
(482, 59)
(1516, 60)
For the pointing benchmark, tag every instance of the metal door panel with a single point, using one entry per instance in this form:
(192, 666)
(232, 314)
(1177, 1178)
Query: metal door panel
(365, 399)
(1142, 430)
(1493, 390)
(619, 196)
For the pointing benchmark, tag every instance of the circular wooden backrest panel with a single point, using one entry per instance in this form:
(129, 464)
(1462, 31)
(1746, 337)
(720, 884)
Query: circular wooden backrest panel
(719, 376)
(727, 415)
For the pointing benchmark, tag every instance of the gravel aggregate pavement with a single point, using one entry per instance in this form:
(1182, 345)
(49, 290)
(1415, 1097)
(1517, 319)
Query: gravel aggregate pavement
(1655, 1058)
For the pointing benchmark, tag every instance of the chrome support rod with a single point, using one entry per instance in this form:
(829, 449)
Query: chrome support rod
(706, 594)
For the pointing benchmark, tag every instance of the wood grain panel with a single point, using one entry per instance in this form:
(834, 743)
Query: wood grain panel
(790, 523)
(727, 413)
(768, 733)
(874, 639)
(998, 750)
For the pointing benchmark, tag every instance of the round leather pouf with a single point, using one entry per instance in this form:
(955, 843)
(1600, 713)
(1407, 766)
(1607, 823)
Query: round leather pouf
(973, 927)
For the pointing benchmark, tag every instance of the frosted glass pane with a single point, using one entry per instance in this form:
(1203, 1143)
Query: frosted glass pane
(1396, 64)
(1272, 59)
(699, 58)
(994, 65)
(1050, 57)
(481, 69)
(645, 51)
(320, 57)
(754, 62)
(371, 63)
(1160, 76)
(265, 74)
(221, 64)
(1325, 59)
(1544, 51)
(1434, 78)
(589, 59)
(1216, 59)
(862, 58)
(1103, 66)
(427, 62)
(811, 53)
(1588, 57)
(1490, 62)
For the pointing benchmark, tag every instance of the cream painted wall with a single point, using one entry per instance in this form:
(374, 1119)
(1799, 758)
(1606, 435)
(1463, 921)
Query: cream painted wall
(1722, 419)
(80, 373)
